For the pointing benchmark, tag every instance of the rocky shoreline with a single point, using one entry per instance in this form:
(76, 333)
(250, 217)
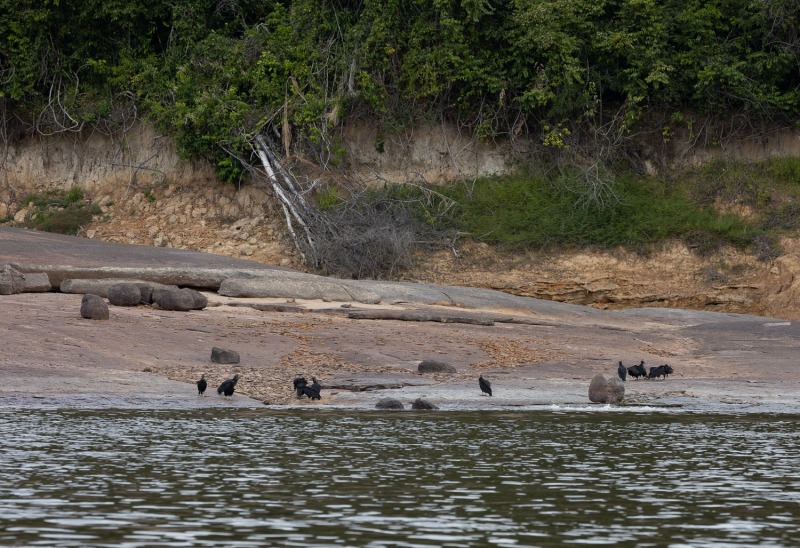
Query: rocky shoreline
(363, 340)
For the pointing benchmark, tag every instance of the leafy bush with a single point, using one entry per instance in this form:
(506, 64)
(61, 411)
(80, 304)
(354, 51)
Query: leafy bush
(63, 212)
(531, 212)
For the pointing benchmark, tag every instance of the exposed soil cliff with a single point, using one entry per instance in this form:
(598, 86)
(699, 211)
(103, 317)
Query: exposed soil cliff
(149, 196)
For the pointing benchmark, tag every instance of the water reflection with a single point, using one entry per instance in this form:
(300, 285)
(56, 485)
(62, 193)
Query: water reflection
(287, 478)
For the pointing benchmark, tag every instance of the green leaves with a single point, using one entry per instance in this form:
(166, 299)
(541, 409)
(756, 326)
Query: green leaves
(212, 73)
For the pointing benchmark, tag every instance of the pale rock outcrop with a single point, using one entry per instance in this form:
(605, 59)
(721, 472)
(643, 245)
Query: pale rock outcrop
(603, 390)
(223, 355)
(11, 281)
(433, 366)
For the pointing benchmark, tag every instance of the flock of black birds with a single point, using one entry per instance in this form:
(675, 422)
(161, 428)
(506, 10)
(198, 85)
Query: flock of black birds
(301, 387)
(227, 388)
(638, 370)
(312, 391)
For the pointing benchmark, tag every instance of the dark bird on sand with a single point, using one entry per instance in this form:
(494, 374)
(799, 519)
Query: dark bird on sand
(621, 371)
(227, 388)
(637, 371)
(313, 390)
(486, 386)
(656, 372)
(299, 383)
(202, 384)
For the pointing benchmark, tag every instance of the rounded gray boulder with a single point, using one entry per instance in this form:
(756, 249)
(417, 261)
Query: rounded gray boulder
(124, 294)
(602, 390)
(94, 307)
(420, 403)
(389, 403)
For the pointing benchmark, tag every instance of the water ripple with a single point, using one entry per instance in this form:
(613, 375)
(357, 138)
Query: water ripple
(255, 478)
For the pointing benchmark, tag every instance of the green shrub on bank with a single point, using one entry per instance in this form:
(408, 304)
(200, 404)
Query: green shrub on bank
(534, 213)
(60, 211)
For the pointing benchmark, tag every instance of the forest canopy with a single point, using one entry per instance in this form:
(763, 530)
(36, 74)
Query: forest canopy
(213, 73)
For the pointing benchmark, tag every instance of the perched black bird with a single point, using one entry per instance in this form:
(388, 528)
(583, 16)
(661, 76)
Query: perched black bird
(315, 385)
(228, 387)
(621, 371)
(202, 384)
(486, 386)
(313, 390)
(667, 370)
(299, 383)
(656, 372)
(637, 371)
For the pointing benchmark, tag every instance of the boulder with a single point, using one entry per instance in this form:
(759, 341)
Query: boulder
(93, 307)
(181, 299)
(420, 403)
(278, 284)
(221, 355)
(389, 403)
(37, 282)
(101, 286)
(11, 281)
(432, 366)
(603, 390)
(124, 294)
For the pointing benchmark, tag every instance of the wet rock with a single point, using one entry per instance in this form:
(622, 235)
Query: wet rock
(11, 281)
(222, 355)
(389, 403)
(420, 403)
(433, 366)
(93, 307)
(124, 294)
(182, 299)
(602, 390)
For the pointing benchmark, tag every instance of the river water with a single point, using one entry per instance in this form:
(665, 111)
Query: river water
(260, 477)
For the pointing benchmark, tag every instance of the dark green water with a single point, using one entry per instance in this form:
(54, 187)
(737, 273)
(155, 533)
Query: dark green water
(285, 478)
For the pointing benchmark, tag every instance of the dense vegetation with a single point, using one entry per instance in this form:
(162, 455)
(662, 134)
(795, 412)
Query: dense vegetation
(582, 78)
(213, 72)
(531, 213)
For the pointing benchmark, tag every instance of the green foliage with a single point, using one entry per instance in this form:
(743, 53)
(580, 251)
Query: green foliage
(328, 199)
(531, 212)
(213, 73)
(64, 212)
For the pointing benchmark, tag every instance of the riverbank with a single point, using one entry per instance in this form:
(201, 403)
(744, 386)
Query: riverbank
(536, 353)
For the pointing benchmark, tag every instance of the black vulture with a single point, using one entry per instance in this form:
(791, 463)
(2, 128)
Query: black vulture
(299, 383)
(668, 370)
(310, 392)
(228, 387)
(316, 385)
(486, 386)
(656, 372)
(637, 371)
(202, 384)
(621, 371)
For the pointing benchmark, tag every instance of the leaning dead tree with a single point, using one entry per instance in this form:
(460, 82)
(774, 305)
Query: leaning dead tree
(297, 212)
(370, 234)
